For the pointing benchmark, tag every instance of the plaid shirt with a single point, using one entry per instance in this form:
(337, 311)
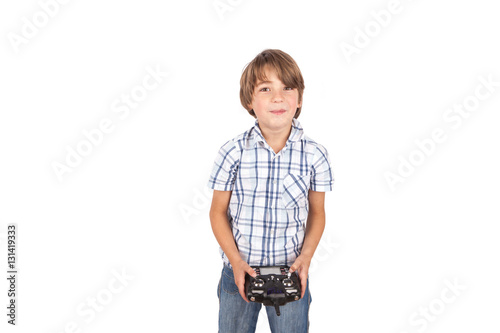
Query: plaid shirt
(269, 202)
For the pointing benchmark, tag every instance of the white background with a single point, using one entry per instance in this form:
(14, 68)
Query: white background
(138, 204)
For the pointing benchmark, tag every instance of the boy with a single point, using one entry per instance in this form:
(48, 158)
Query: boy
(269, 189)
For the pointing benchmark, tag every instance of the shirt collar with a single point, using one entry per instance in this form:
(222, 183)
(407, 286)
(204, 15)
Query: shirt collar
(296, 134)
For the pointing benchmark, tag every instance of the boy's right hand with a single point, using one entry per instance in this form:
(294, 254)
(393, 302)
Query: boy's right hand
(240, 268)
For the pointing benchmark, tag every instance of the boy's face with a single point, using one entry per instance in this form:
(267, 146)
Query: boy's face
(274, 103)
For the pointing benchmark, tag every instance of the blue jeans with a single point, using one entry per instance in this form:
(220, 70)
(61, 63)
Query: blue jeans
(238, 316)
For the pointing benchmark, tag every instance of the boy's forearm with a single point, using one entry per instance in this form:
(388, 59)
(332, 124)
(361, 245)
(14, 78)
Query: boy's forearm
(314, 230)
(224, 236)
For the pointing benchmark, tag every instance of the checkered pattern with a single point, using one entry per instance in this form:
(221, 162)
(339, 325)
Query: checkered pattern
(269, 202)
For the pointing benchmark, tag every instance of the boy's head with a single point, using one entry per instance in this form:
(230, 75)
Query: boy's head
(256, 87)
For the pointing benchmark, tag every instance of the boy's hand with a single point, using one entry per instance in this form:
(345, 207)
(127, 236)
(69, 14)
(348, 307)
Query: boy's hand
(301, 265)
(239, 270)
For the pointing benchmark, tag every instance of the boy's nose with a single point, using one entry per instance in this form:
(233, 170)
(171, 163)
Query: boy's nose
(277, 97)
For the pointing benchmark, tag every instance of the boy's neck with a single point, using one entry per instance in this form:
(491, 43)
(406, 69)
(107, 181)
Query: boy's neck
(276, 138)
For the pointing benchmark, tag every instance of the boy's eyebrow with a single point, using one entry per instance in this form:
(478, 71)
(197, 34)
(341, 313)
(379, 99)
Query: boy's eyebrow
(263, 82)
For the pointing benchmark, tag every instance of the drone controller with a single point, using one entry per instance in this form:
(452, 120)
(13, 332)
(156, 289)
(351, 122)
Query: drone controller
(273, 286)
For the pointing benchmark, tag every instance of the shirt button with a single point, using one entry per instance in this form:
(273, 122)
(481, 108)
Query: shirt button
(274, 181)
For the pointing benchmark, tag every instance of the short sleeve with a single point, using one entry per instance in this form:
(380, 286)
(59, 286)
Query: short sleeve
(225, 168)
(322, 174)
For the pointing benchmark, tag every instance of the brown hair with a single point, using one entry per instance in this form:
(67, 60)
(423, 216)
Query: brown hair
(286, 70)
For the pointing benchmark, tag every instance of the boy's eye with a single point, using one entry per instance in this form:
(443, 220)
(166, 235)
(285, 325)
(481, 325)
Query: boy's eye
(267, 89)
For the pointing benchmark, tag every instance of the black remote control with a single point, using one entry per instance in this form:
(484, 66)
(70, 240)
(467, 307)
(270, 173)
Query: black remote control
(273, 286)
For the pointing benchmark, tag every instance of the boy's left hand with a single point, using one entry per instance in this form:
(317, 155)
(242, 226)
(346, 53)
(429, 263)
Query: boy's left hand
(301, 265)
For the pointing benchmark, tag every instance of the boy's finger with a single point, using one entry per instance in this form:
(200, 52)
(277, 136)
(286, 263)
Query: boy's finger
(303, 283)
(251, 272)
(242, 293)
(294, 267)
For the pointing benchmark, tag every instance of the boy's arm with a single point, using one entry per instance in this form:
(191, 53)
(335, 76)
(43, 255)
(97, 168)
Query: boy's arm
(224, 236)
(314, 230)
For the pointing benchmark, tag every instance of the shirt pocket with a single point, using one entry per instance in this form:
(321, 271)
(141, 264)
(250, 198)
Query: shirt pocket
(295, 190)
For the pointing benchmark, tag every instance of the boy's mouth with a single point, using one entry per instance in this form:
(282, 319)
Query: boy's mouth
(278, 112)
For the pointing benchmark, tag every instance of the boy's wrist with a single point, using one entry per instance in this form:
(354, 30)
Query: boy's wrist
(235, 261)
(306, 256)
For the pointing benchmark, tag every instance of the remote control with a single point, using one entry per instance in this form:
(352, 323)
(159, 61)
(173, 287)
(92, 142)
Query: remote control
(273, 286)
